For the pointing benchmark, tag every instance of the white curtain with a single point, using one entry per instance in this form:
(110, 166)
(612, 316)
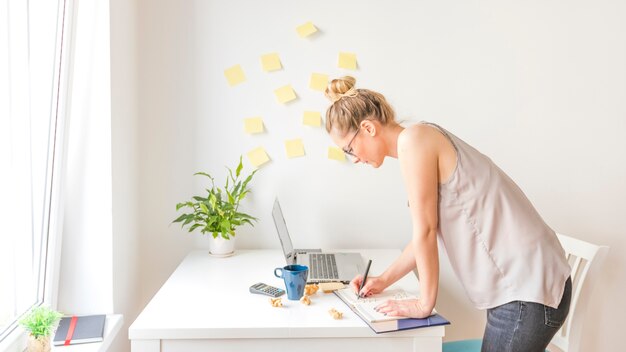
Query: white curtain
(85, 285)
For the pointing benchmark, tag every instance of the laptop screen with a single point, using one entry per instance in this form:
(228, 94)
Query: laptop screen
(283, 234)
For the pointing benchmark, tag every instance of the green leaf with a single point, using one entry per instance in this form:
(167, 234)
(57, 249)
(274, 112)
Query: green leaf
(203, 174)
(230, 172)
(225, 225)
(194, 226)
(245, 216)
(214, 234)
(240, 166)
(249, 178)
(231, 200)
(199, 199)
(180, 218)
(209, 225)
(204, 208)
(212, 200)
(237, 189)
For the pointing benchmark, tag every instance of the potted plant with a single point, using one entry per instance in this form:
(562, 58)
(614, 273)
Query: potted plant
(217, 213)
(40, 322)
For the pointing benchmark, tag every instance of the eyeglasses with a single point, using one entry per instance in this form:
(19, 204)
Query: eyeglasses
(348, 149)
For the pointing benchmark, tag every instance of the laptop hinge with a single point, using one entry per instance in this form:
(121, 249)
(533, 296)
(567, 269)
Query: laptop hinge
(291, 258)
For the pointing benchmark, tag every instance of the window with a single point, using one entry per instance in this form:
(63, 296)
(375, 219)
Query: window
(31, 38)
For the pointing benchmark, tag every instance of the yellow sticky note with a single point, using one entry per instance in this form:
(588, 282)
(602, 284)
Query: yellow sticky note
(258, 156)
(312, 118)
(335, 153)
(306, 29)
(253, 125)
(318, 81)
(347, 60)
(271, 62)
(285, 94)
(235, 75)
(294, 148)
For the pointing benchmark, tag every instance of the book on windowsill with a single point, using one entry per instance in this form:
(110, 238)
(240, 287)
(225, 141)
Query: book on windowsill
(379, 322)
(84, 329)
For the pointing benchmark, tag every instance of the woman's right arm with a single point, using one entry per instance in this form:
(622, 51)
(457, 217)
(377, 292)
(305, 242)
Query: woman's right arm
(400, 267)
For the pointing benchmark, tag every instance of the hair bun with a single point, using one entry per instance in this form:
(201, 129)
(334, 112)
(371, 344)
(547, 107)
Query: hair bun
(338, 87)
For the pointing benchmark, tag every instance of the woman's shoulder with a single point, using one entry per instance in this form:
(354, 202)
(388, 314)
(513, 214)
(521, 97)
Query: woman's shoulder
(418, 134)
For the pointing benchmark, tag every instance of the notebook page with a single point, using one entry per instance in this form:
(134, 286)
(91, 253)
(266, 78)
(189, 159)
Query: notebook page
(366, 305)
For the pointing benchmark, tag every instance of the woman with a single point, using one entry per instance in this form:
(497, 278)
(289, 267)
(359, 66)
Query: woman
(507, 259)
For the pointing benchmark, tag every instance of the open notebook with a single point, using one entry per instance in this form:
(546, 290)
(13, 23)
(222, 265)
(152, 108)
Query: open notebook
(379, 322)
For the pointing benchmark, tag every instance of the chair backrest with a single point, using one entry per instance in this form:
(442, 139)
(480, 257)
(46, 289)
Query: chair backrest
(586, 261)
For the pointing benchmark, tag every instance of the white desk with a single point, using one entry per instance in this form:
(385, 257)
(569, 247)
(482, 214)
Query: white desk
(205, 305)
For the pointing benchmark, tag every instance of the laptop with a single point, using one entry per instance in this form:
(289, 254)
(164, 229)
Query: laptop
(323, 267)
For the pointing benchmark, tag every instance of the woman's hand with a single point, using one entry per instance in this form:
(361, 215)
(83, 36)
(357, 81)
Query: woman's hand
(373, 285)
(411, 308)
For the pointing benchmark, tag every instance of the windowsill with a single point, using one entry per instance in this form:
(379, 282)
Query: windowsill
(17, 340)
(111, 328)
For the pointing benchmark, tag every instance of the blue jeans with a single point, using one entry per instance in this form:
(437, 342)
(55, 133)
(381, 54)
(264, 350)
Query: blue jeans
(524, 326)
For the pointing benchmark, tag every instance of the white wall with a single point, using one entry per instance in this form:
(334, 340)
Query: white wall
(538, 86)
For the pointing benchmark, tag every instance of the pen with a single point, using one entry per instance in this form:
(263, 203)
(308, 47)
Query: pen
(367, 269)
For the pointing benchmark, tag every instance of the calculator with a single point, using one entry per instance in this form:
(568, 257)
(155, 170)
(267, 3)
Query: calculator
(265, 289)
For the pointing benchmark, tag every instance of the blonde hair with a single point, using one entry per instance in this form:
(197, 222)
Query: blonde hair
(350, 106)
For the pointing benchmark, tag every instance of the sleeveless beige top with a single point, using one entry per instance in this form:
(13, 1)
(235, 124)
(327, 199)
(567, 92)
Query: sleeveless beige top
(498, 245)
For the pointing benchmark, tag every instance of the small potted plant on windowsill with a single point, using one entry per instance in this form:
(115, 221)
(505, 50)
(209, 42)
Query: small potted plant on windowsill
(40, 322)
(217, 213)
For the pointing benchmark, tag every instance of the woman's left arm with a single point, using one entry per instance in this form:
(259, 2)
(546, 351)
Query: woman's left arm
(418, 157)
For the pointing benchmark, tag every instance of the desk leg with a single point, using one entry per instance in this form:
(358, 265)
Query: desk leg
(145, 345)
(431, 345)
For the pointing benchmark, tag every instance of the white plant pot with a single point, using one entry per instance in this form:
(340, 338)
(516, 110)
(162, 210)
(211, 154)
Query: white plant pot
(220, 247)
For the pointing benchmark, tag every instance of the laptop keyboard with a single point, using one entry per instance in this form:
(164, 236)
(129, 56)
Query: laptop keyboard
(323, 266)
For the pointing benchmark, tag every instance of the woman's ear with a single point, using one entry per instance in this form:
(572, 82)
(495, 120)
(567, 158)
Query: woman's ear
(370, 127)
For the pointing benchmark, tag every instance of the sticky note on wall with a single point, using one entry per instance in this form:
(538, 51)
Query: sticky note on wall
(318, 81)
(253, 125)
(335, 153)
(271, 62)
(234, 75)
(312, 118)
(285, 94)
(294, 148)
(258, 156)
(306, 29)
(347, 60)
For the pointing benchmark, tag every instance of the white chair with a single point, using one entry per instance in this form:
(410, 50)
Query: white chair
(586, 261)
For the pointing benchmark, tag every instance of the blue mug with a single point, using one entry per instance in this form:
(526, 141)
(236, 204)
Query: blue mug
(295, 279)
